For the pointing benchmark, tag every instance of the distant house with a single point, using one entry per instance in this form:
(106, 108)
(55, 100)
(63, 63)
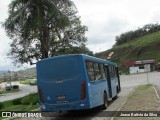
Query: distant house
(140, 66)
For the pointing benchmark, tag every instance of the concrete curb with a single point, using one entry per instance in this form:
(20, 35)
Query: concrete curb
(156, 92)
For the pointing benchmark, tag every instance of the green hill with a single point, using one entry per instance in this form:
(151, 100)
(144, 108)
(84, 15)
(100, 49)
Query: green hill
(143, 48)
(30, 73)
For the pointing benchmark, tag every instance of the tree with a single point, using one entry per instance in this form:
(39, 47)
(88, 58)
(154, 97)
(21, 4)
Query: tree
(39, 28)
(82, 49)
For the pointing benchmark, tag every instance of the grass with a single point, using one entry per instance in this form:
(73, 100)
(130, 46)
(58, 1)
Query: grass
(31, 101)
(19, 107)
(27, 81)
(144, 87)
(143, 99)
(143, 91)
(9, 91)
(142, 41)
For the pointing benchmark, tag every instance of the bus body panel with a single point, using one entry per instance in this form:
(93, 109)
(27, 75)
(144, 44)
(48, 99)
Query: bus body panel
(114, 86)
(96, 93)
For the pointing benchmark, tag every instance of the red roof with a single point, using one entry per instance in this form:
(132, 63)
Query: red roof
(130, 63)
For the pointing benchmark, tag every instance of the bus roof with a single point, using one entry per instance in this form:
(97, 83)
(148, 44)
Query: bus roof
(83, 55)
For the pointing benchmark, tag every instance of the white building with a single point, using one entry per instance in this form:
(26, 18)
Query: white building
(140, 66)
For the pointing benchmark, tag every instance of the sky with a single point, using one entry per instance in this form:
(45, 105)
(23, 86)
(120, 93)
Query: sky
(105, 20)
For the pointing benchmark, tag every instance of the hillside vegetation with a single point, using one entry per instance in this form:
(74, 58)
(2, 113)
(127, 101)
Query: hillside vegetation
(27, 72)
(140, 32)
(142, 48)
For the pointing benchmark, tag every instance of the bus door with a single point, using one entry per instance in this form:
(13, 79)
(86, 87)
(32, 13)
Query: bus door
(108, 80)
(119, 86)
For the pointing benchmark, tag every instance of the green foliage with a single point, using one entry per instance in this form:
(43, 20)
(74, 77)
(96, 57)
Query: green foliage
(75, 50)
(140, 32)
(1, 105)
(26, 101)
(142, 41)
(16, 101)
(16, 105)
(39, 29)
(26, 81)
(32, 99)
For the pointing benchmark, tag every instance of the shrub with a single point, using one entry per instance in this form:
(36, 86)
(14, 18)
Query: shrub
(34, 100)
(15, 86)
(16, 101)
(1, 105)
(26, 100)
(31, 99)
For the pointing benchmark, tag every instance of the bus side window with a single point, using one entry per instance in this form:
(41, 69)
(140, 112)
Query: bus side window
(114, 71)
(90, 70)
(111, 72)
(97, 71)
(102, 71)
(106, 71)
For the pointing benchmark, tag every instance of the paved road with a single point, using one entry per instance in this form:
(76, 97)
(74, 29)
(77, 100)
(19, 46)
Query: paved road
(140, 79)
(25, 90)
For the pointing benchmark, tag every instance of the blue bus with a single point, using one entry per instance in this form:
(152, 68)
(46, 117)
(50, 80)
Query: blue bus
(76, 82)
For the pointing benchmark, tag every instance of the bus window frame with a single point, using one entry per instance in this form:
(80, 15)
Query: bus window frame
(99, 70)
(112, 72)
(90, 80)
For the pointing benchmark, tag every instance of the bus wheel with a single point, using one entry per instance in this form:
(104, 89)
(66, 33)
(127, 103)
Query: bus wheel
(115, 97)
(105, 100)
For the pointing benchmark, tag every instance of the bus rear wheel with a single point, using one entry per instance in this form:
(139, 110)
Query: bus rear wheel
(105, 100)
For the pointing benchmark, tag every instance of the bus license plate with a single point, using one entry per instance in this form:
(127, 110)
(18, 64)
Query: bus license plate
(61, 97)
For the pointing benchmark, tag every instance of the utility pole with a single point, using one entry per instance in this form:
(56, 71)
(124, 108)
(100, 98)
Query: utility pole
(147, 69)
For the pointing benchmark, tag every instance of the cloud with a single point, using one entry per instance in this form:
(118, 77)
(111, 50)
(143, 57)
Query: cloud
(102, 35)
(109, 18)
(105, 19)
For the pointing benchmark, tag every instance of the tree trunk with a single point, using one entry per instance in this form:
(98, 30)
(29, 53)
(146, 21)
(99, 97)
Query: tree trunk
(44, 44)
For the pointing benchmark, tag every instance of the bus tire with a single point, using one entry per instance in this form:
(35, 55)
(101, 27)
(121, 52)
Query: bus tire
(115, 97)
(105, 101)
